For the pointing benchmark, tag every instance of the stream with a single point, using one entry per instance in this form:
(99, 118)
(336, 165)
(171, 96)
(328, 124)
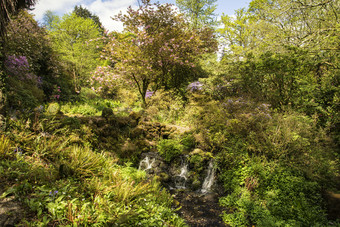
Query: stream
(199, 207)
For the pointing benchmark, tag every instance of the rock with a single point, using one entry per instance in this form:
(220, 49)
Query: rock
(158, 166)
(11, 212)
(196, 184)
(107, 112)
(136, 115)
(136, 132)
(164, 177)
(2, 122)
(129, 146)
(133, 123)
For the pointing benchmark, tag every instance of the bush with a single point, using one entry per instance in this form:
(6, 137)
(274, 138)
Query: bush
(169, 149)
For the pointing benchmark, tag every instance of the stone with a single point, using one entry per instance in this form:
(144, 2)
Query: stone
(136, 115)
(107, 112)
(11, 212)
(137, 132)
(164, 177)
(196, 184)
(2, 122)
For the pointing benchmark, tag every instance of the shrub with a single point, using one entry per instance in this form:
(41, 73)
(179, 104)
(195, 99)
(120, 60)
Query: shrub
(169, 149)
(188, 141)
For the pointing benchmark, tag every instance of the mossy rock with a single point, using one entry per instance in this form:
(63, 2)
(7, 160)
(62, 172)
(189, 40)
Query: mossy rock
(136, 115)
(136, 132)
(133, 123)
(198, 159)
(2, 122)
(196, 184)
(164, 177)
(53, 109)
(107, 112)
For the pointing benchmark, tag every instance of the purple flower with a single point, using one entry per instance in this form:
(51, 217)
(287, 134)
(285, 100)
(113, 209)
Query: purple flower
(195, 86)
(52, 194)
(148, 94)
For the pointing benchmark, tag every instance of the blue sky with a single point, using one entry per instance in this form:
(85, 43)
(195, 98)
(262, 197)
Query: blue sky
(105, 9)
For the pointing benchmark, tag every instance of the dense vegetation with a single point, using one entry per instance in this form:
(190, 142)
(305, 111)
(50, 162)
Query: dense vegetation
(83, 105)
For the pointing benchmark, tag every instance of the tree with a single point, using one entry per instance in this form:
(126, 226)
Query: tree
(157, 43)
(49, 19)
(78, 42)
(291, 57)
(200, 12)
(237, 33)
(86, 14)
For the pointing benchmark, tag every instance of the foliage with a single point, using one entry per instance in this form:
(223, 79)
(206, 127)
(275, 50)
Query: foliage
(237, 34)
(23, 91)
(67, 184)
(165, 106)
(89, 107)
(200, 12)
(77, 41)
(169, 149)
(267, 114)
(105, 82)
(286, 53)
(31, 65)
(9, 8)
(85, 13)
(285, 198)
(262, 158)
(4, 146)
(157, 48)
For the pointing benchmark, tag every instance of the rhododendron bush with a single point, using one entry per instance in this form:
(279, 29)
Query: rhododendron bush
(157, 44)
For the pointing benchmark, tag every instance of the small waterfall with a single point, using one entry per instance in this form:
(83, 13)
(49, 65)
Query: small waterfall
(181, 179)
(209, 180)
(146, 163)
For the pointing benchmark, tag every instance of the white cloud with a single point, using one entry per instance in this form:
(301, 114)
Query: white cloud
(60, 6)
(107, 9)
(103, 9)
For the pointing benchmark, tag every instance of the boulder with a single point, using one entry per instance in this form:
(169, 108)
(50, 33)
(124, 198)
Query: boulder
(107, 112)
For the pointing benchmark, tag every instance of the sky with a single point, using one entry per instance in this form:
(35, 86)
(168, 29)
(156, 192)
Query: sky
(105, 9)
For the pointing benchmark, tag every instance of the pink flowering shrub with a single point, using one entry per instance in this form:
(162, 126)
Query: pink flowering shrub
(104, 81)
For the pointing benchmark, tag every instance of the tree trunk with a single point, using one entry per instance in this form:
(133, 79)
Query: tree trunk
(2, 79)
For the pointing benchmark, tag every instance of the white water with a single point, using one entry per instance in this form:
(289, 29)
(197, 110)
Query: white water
(146, 163)
(209, 180)
(181, 179)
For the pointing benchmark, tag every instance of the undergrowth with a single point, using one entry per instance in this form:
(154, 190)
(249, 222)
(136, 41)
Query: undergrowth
(66, 183)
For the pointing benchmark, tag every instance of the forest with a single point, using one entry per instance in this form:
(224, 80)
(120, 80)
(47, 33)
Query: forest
(181, 119)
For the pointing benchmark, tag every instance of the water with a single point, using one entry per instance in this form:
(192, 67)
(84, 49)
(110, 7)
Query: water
(209, 180)
(181, 179)
(146, 163)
